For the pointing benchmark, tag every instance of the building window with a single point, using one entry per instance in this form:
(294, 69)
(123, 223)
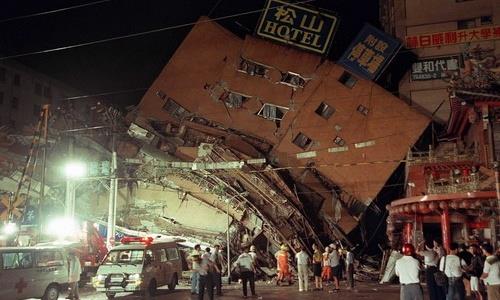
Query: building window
(339, 141)
(14, 104)
(1, 97)
(465, 24)
(175, 109)
(36, 109)
(2, 74)
(272, 112)
(348, 79)
(233, 99)
(252, 68)
(363, 110)
(302, 141)
(292, 79)
(486, 20)
(47, 92)
(325, 110)
(38, 89)
(161, 95)
(17, 80)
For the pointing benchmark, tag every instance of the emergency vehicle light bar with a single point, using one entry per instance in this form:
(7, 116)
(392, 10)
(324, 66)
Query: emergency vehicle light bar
(142, 240)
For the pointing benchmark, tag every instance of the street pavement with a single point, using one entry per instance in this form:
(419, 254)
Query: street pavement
(372, 291)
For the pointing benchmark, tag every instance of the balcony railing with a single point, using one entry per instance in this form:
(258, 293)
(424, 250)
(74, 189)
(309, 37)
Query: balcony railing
(469, 183)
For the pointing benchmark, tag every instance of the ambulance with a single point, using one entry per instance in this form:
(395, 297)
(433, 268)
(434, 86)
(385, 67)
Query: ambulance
(32, 272)
(139, 265)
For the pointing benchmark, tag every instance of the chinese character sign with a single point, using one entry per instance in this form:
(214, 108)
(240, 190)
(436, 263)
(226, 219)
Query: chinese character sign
(370, 51)
(435, 68)
(296, 25)
(437, 39)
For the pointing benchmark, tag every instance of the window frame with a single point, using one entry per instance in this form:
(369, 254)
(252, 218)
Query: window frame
(325, 108)
(244, 60)
(176, 253)
(227, 94)
(307, 143)
(259, 113)
(58, 263)
(19, 265)
(347, 77)
(179, 111)
(293, 74)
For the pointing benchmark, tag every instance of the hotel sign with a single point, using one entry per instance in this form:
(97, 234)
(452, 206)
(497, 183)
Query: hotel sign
(478, 34)
(296, 25)
(435, 68)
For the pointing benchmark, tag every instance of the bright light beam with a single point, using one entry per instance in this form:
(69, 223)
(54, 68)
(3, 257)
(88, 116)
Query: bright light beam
(75, 170)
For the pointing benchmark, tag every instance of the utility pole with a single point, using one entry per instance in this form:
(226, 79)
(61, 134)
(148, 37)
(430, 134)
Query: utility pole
(41, 199)
(69, 208)
(113, 191)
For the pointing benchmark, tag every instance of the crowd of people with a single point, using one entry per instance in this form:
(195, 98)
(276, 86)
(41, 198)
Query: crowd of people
(329, 266)
(463, 270)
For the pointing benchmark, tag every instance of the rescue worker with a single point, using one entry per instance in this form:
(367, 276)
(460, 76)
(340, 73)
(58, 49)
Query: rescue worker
(326, 275)
(317, 259)
(283, 267)
(407, 269)
(246, 267)
(216, 258)
(302, 269)
(491, 272)
(74, 271)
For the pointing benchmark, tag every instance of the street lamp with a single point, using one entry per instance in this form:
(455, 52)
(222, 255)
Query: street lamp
(73, 170)
(242, 194)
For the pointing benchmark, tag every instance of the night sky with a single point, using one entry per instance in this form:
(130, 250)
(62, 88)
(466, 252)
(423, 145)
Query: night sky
(134, 62)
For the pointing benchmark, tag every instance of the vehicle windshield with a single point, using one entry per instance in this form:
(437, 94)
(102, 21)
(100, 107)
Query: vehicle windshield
(125, 257)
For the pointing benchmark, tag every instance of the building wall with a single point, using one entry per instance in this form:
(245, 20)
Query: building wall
(409, 17)
(32, 90)
(194, 79)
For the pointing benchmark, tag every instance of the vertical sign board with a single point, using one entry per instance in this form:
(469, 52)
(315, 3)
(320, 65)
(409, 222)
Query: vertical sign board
(435, 68)
(369, 52)
(299, 26)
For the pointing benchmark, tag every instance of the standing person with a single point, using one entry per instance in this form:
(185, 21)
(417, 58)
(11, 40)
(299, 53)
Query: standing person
(216, 258)
(452, 266)
(407, 269)
(302, 269)
(74, 271)
(206, 270)
(334, 261)
(475, 270)
(349, 266)
(283, 267)
(431, 260)
(439, 249)
(246, 267)
(195, 276)
(467, 257)
(491, 272)
(317, 259)
(326, 275)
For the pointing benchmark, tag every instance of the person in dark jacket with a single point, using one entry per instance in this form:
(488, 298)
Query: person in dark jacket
(474, 270)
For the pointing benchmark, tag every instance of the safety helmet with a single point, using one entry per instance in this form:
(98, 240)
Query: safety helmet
(408, 250)
(284, 247)
(252, 248)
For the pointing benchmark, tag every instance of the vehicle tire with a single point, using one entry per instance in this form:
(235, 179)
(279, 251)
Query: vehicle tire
(151, 290)
(173, 282)
(51, 292)
(110, 295)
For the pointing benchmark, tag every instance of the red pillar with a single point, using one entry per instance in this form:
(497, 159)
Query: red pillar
(408, 233)
(445, 228)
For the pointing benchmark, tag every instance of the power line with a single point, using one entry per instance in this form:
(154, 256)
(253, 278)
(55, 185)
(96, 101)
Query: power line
(53, 11)
(145, 32)
(104, 94)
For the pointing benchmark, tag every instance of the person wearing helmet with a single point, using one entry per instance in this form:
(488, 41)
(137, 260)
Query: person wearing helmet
(326, 275)
(253, 254)
(282, 262)
(407, 269)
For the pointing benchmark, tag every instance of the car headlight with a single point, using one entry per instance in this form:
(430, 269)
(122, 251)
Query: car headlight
(100, 277)
(135, 277)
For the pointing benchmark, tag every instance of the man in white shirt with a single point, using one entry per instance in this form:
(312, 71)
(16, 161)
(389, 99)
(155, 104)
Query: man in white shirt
(216, 258)
(302, 269)
(407, 269)
(246, 266)
(195, 258)
(206, 270)
(491, 272)
(334, 261)
(452, 266)
(431, 260)
(349, 264)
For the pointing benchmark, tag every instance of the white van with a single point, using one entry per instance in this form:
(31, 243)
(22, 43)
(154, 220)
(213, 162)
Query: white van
(32, 272)
(139, 265)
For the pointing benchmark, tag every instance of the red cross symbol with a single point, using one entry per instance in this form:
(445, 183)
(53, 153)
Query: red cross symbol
(21, 285)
